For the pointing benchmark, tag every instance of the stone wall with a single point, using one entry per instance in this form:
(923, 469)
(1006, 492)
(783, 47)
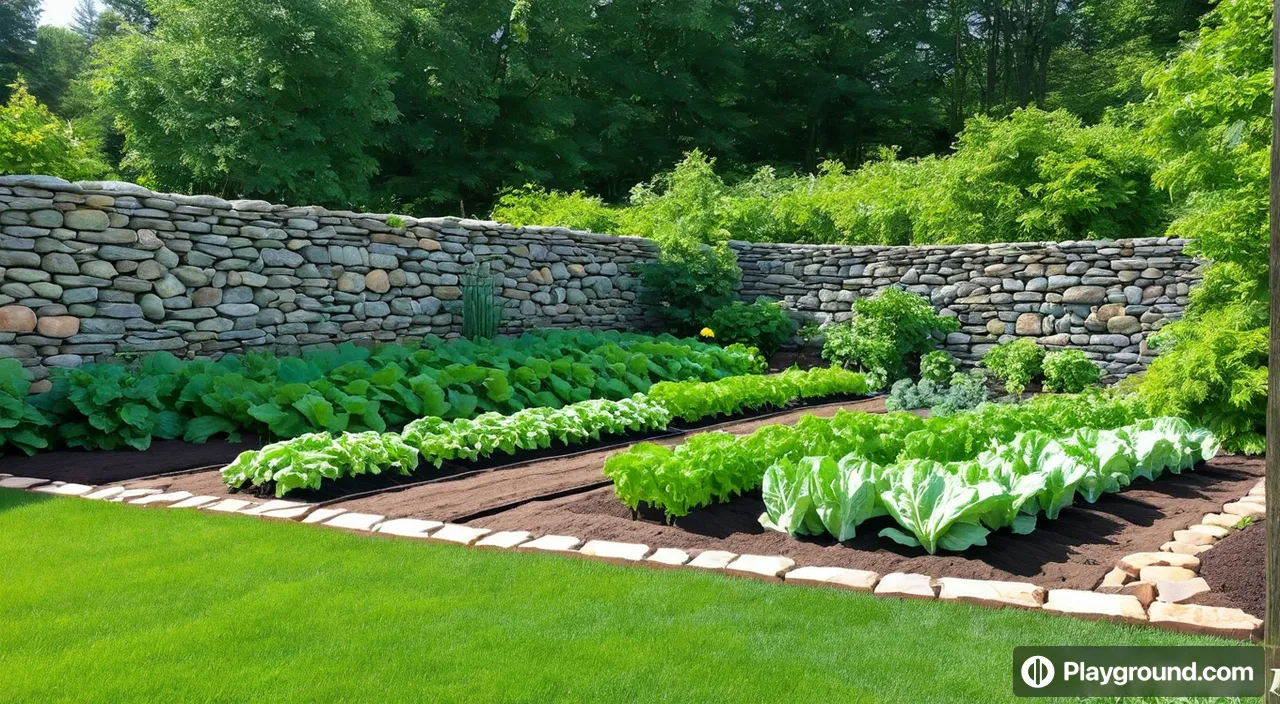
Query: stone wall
(1099, 296)
(89, 270)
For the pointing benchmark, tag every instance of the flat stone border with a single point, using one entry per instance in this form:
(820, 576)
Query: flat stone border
(1162, 581)
(1144, 588)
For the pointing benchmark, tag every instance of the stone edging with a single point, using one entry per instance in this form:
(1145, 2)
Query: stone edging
(1164, 579)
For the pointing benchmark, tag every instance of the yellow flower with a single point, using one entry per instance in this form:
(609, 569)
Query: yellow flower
(707, 332)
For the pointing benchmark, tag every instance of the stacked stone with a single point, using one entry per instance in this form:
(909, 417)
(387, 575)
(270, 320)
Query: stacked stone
(1102, 297)
(93, 269)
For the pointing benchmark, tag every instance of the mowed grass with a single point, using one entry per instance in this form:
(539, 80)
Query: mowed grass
(102, 602)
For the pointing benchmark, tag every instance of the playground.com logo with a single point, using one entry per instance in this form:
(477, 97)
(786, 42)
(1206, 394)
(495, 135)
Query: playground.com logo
(1077, 671)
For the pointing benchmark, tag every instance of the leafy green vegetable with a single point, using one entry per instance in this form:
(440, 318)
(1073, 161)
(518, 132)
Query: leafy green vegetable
(22, 425)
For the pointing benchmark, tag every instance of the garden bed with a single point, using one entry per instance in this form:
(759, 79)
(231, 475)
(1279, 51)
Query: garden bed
(1236, 571)
(1073, 552)
(105, 467)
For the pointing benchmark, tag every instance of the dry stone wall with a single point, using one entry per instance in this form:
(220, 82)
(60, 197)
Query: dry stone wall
(91, 270)
(1103, 297)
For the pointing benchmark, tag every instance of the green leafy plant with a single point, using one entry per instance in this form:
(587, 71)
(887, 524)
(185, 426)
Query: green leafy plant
(395, 222)
(1015, 363)
(481, 311)
(305, 461)
(22, 425)
(889, 330)
(763, 325)
(963, 391)
(1069, 371)
(938, 366)
(693, 401)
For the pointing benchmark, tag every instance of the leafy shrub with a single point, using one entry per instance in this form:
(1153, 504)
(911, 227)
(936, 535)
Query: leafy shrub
(533, 205)
(763, 325)
(1070, 371)
(938, 366)
(963, 392)
(1016, 363)
(111, 405)
(693, 401)
(887, 331)
(21, 425)
(35, 141)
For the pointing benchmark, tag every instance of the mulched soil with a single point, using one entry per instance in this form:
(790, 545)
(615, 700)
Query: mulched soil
(803, 357)
(121, 465)
(1073, 552)
(1236, 571)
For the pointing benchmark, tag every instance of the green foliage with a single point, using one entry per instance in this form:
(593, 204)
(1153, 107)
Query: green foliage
(356, 389)
(1069, 371)
(954, 506)
(60, 56)
(714, 467)
(22, 425)
(35, 141)
(1208, 120)
(961, 392)
(888, 331)
(693, 401)
(481, 310)
(233, 97)
(395, 222)
(1015, 363)
(763, 325)
(532, 205)
(305, 461)
(938, 366)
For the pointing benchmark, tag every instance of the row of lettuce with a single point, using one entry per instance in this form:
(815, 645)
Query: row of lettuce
(348, 388)
(307, 462)
(947, 480)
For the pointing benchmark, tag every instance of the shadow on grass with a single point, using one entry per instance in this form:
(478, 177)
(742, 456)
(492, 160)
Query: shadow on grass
(15, 498)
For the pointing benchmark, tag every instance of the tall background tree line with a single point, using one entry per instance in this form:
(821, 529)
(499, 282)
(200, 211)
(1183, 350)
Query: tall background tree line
(434, 106)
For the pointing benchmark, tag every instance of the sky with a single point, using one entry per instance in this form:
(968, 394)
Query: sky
(59, 12)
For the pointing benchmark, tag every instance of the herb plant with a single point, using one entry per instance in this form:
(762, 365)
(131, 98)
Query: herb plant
(1016, 363)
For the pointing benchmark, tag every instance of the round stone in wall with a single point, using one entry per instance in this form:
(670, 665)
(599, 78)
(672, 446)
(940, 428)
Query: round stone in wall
(995, 327)
(1028, 324)
(17, 319)
(377, 281)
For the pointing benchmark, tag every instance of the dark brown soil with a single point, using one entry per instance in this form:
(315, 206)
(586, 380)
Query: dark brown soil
(802, 357)
(1236, 571)
(1073, 552)
(121, 465)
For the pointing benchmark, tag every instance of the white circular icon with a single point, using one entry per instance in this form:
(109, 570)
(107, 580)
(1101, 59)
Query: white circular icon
(1037, 671)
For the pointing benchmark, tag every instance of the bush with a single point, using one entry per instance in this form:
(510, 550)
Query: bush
(938, 366)
(532, 205)
(1015, 364)
(35, 141)
(1070, 371)
(887, 331)
(763, 325)
(962, 391)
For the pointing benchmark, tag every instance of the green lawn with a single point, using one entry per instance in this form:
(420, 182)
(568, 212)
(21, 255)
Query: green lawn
(101, 602)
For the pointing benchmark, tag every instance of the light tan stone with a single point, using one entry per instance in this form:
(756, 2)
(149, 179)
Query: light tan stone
(105, 493)
(273, 505)
(429, 244)
(1156, 575)
(615, 552)
(504, 540)
(1193, 538)
(1245, 509)
(767, 567)
(712, 559)
(1221, 520)
(1133, 564)
(196, 502)
(1183, 548)
(1259, 491)
(991, 593)
(19, 319)
(131, 494)
(408, 527)
(169, 497)
(355, 521)
(21, 482)
(1209, 620)
(1123, 608)
(1145, 593)
(857, 580)
(321, 515)
(667, 557)
(377, 281)
(230, 506)
(1217, 532)
(552, 543)
(1116, 577)
(58, 326)
(459, 534)
(68, 489)
(902, 584)
(1178, 592)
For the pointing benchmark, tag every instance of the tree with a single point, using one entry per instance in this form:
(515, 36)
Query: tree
(35, 141)
(85, 21)
(278, 99)
(61, 55)
(136, 13)
(18, 22)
